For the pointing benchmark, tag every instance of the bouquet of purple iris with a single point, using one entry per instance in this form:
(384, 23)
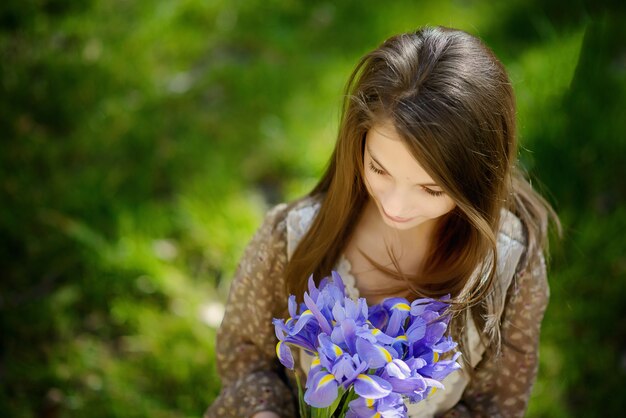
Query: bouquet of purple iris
(366, 360)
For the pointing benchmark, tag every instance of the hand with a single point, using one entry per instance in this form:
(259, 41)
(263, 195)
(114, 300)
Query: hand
(265, 414)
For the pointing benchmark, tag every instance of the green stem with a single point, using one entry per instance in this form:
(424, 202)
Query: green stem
(304, 408)
(333, 407)
(351, 395)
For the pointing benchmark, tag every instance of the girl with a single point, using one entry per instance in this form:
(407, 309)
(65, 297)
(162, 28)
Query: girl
(422, 197)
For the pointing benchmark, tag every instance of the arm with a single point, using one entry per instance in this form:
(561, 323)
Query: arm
(245, 350)
(502, 385)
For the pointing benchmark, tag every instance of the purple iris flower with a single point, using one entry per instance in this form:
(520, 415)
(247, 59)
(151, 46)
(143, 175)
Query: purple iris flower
(391, 406)
(300, 331)
(379, 353)
(321, 389)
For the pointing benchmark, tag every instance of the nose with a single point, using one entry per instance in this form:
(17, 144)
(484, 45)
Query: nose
(395, 203)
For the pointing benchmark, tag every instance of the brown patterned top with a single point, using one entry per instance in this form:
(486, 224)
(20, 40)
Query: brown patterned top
(253, 379)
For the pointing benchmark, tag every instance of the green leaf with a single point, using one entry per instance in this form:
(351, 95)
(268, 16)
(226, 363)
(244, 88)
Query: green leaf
(348, 397)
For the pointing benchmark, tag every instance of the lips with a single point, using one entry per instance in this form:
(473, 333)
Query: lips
(395, 218)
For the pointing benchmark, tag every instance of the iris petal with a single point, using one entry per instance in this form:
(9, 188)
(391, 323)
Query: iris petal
(371, 386)
(361, 408)
(284, 355)
(339, 312)
(280, 329)
(304, 319)
(343, 367)
(375, 355)
(316, 365)
(323, 322)
(398, 368)
(395, 322)
(313, 292)
(348, 328)
(331, 350)
(338, 281)
(408, 386)
(292, 305)
(434, 332)
(322, 390)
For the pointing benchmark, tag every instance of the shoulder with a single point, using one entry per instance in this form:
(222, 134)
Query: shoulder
(511, 227)
(510, 246)
(513, 233)
(515, 262)
(288, 211)
(298, 219)
(511, 243)
(291, 220)
(301, 212)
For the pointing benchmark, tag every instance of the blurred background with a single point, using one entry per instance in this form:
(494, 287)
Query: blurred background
(142, 142)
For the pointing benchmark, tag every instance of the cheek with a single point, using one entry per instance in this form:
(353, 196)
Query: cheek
(438, 206)
(430, 207)
(375, 184)
(423, 204)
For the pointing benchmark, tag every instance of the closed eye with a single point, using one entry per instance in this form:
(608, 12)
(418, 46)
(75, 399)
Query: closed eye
(432, 192)
(426, 189)
(375, 169)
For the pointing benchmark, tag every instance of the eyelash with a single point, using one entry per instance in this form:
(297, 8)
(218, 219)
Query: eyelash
(381, 172)
(432, 192)
(376, 170)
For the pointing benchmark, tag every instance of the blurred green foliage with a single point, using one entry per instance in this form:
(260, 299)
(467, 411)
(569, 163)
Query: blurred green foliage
(143, 141)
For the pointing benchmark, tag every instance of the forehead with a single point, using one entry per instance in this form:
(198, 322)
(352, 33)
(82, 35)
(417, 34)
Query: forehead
(387, 147)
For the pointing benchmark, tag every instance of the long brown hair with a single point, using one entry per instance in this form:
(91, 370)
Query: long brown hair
(451, 101)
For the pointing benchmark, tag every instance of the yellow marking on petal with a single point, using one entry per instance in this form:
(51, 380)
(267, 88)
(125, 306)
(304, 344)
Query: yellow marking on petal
(334, 322)
(435, 357)
(278, 348)
(315, 361)
(365, 377)
(369, 403)
(377, 415)
(386, 353)
(432, 391)
(307, 312)
(376, 331)
(325, 380)
(402, 337)
(401, 306)
(338, 350)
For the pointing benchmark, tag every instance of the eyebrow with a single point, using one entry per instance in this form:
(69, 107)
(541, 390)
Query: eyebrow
(383, 167)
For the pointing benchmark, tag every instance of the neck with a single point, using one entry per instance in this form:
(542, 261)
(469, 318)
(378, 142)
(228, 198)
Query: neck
(375, 238)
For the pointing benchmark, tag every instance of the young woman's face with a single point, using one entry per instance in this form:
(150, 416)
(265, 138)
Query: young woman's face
(406, 196)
